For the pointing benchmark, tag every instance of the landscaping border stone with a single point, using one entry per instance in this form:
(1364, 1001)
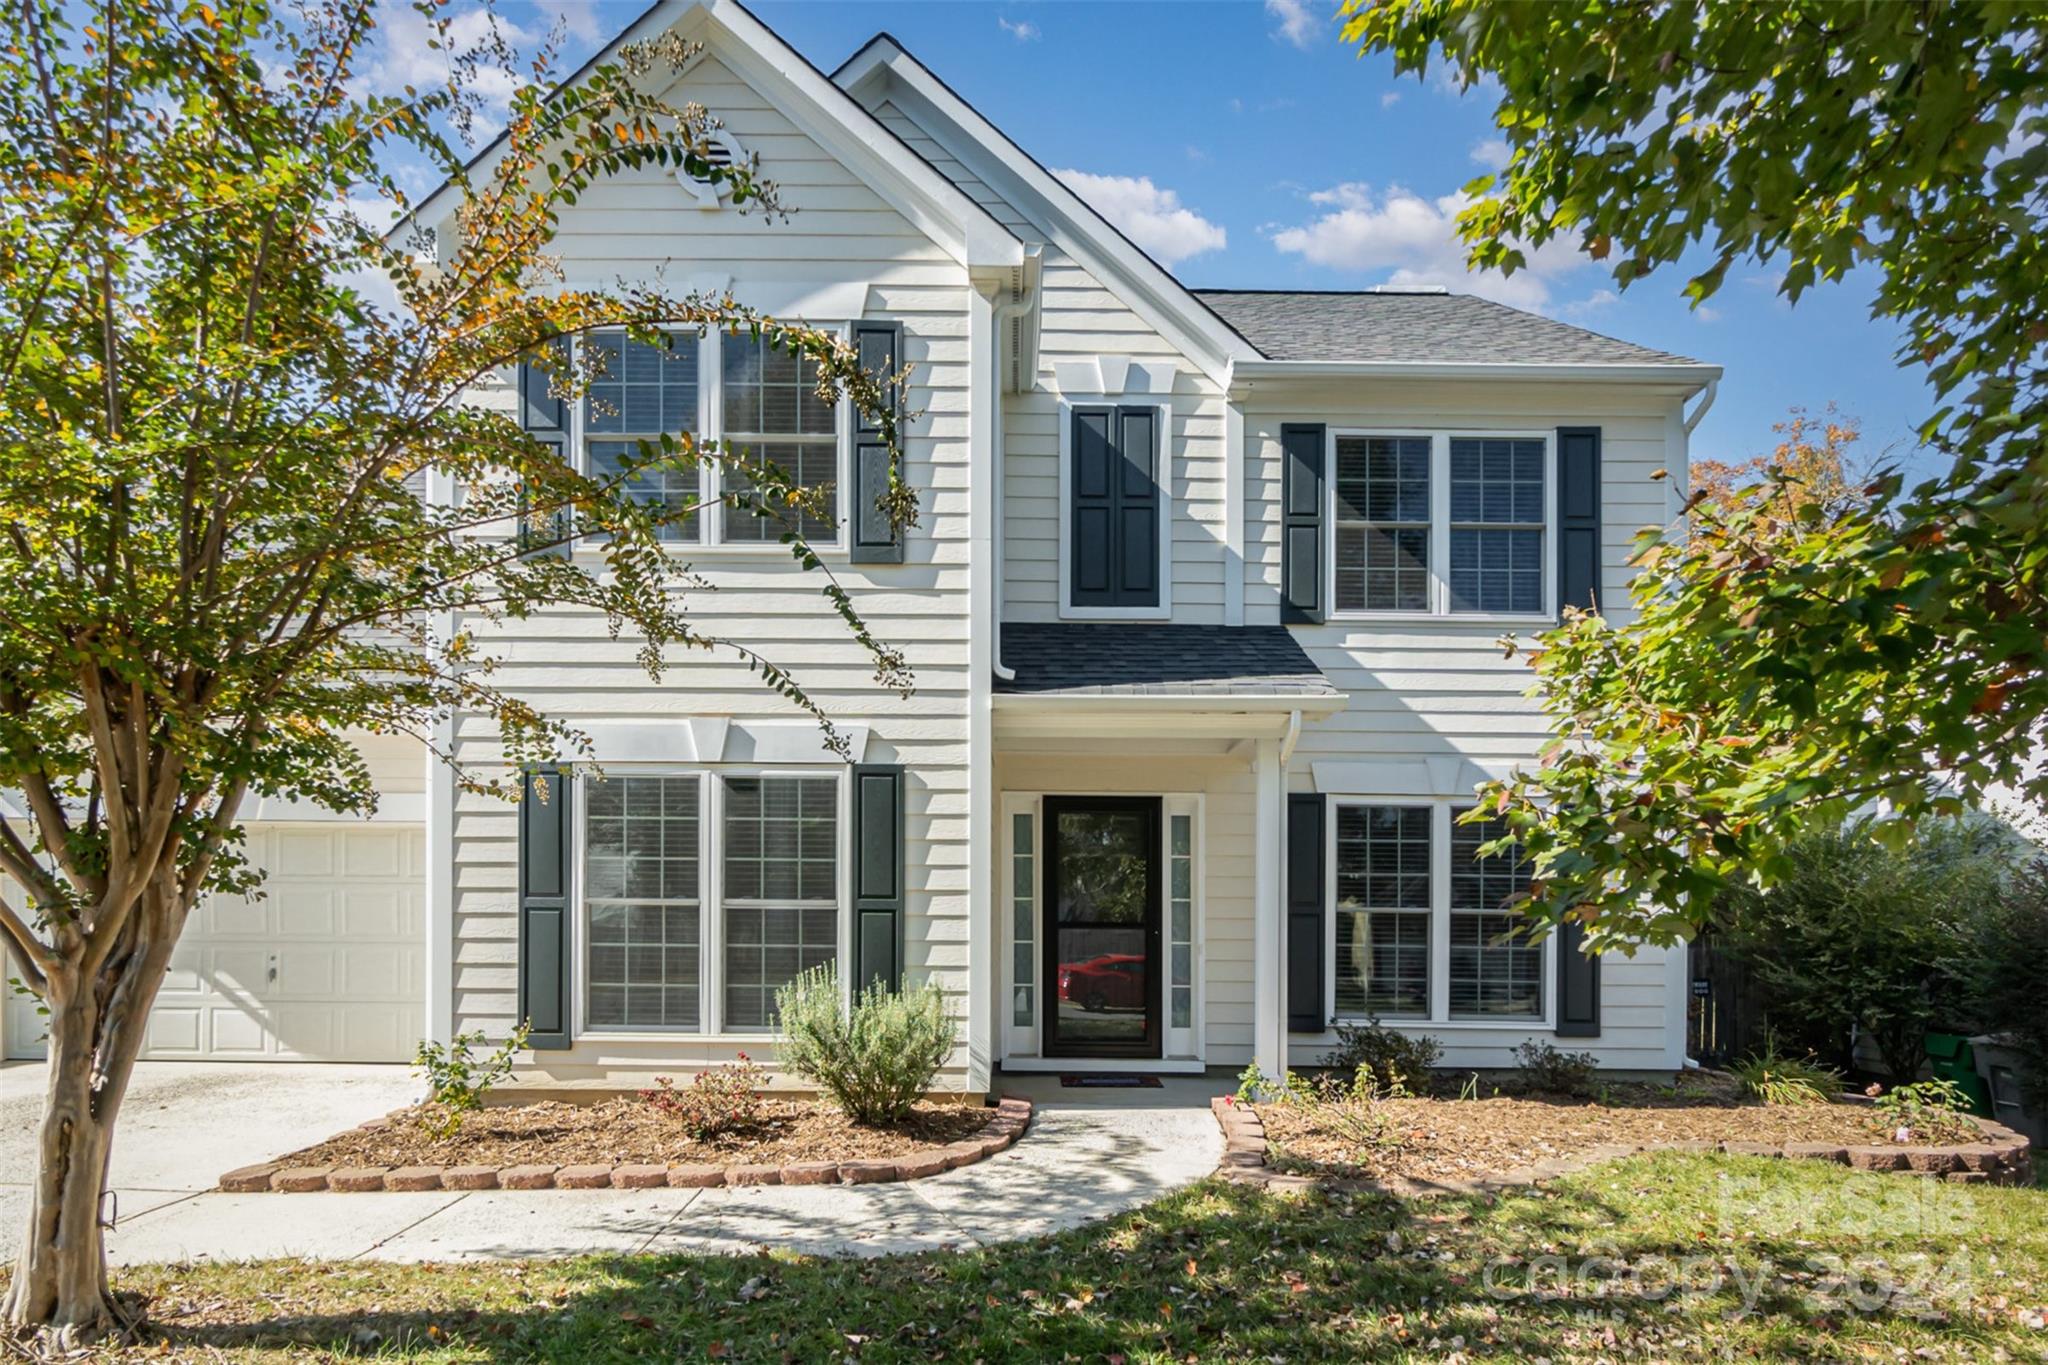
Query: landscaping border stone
(1007, 1122)
(2002, 1157)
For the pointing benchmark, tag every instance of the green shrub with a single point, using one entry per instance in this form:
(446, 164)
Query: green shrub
(1550, 1072)
(1777, 1079)
(457, 1080)
(1859, 937)
(722, 1099)
(1936, 1110)
(875, 1060)
(1393, 1059)
(2002, 960)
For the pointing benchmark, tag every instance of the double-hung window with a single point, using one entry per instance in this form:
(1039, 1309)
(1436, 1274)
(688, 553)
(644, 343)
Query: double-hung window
(781, 889)
(1383, 910)
(1422, 927)
(1441, 524)
(1496, 973)
(758, 402)
(703, 894)
(773, 415)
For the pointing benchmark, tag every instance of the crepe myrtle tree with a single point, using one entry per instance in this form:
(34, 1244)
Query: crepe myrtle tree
(213, 560)
(1795, 656)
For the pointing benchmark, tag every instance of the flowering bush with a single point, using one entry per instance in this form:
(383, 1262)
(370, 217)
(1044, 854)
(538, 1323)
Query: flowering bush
(715, 1101)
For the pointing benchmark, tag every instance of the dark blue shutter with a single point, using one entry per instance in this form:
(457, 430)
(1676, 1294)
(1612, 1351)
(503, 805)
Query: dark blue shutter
(544, 907)
(1114, 503)
(1306, 902)
(1578, 517)
(1301, 522)
(1578, 986)
(545, 416)
(878, 874)
(875, 539)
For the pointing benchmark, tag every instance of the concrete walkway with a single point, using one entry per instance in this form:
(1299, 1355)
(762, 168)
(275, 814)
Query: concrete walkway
(1089, 1154)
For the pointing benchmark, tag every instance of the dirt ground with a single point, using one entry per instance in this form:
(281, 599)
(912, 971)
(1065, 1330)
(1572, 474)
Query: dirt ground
(631, 1130)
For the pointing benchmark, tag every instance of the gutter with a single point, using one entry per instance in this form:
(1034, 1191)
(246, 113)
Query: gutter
(1698, 375)
(1025, 300)
(1292, 738)
(1706, 402)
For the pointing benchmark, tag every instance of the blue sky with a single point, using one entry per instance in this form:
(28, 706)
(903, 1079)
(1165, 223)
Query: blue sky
(1247, 148)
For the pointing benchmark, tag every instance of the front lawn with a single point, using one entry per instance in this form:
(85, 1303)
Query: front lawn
(1673, 1256)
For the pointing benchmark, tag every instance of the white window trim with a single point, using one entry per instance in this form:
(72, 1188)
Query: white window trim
(710, 898)
(1164, 419)
(1025, 1041)
(1439, 1016)
(1439, 612)
(711, 427)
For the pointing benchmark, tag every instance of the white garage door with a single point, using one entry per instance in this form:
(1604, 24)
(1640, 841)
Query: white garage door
(328, 965)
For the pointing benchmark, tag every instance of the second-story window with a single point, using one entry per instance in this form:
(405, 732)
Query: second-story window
(773, 415)
(642, 392)
(1440, 524)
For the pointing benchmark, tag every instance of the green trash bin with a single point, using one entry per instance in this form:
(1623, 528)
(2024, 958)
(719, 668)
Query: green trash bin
(1950, 1058)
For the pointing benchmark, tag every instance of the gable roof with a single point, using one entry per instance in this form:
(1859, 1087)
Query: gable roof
(1121, 658)
(1415, 325)
(841, 124)
(1207, 339)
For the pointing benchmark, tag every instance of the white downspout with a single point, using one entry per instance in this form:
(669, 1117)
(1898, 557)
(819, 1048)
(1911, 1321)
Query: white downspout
(1005, 313)
(1706, 401)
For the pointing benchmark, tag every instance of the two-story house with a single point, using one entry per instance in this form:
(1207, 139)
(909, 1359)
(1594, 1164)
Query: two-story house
(1202, 604)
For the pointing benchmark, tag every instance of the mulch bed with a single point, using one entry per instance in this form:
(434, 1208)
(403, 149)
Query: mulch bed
(624, 1130)
(625, 1143)
(1458, 1141)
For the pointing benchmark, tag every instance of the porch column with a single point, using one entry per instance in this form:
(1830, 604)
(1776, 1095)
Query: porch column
(1269, 1004)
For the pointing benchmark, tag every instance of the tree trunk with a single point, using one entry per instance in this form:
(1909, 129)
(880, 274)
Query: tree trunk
(60, 1278)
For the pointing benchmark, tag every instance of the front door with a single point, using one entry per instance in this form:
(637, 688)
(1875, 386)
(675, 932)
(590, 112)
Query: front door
(1102, 926)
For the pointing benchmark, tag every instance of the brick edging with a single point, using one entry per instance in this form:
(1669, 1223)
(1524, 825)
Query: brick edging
(1012, 1117)
(2003, 1158)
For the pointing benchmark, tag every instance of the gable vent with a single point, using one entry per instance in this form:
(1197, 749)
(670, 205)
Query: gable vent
(721, 151)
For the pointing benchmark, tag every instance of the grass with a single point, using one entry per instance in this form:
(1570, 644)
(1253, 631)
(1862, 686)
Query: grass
(1667, 1257)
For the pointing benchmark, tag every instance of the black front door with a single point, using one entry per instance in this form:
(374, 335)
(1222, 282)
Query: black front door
(1102, 926)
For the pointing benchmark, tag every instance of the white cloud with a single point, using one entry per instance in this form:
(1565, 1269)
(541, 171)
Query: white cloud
(1415, 241)
(1294, 21)
(1152, 217)
(401, 57)
(1589, 305)
(1389, 99)
(1023, 30)
(578, 17)
(1492, 153)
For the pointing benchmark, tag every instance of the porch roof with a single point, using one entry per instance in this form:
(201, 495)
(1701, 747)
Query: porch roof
(1157, 659)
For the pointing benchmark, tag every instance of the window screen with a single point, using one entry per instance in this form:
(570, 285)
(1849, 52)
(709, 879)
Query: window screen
(1382, 523)
(642, 392)
(781, 866)
(1495, 971)
(773, 415)
(640, 892)
(1383, 900)
(1496, 525)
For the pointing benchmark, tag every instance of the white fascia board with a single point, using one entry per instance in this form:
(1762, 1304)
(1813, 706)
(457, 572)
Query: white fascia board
(884, 69)
(1691, 378)
(1168, 707)
(825, 113)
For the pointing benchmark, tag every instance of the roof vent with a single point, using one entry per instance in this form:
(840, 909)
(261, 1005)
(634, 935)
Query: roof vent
(1408, 289)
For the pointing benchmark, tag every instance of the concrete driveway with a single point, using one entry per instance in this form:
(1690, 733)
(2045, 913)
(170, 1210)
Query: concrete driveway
(184, 1123)
(1089, 1154)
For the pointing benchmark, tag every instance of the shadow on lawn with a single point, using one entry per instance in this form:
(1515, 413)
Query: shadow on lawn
(1215, 1271)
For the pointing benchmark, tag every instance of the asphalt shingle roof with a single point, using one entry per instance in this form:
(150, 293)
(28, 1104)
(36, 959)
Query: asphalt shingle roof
(1455, 329)
(1098, 658)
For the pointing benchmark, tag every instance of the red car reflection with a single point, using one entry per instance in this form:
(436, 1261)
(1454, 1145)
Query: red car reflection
(1113, 981)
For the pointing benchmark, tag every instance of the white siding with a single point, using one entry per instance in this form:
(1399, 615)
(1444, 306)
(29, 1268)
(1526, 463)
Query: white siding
(566, 662)
(1435, 688)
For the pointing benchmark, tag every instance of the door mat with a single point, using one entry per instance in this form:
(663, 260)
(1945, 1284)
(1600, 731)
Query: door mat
(1110, 1081)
